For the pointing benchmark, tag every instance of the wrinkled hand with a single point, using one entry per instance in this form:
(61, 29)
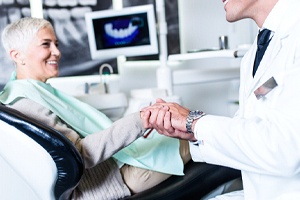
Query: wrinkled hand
(145, 118)
(168, 119)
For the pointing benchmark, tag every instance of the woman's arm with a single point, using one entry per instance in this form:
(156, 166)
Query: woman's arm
(96, 147)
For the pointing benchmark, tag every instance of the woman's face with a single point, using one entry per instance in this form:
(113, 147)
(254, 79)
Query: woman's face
(42, 56)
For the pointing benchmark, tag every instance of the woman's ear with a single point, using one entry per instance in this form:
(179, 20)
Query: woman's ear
(16, 56)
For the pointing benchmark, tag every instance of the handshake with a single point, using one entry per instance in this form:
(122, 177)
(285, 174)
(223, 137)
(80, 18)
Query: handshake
(171, 119)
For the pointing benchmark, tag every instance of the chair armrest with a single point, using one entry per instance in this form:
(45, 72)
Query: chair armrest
(199, 180)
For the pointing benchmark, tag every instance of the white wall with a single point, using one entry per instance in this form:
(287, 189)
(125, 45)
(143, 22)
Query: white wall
(211, 84)
(201, 23)
(211, 90)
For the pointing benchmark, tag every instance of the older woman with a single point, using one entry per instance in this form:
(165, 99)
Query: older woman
(111, 173)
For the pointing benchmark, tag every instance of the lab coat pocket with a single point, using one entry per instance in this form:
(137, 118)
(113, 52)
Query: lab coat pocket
(266, 97)
(265, 88)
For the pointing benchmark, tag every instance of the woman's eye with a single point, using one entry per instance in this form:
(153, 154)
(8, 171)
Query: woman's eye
(46, 44)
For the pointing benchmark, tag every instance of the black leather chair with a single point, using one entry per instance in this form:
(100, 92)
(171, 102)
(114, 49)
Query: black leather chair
(67, 159)
(199, 180)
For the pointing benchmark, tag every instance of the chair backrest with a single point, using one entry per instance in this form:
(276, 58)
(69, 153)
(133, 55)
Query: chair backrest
(37, 162)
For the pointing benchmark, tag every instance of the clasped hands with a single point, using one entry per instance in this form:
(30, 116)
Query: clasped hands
(167, 118)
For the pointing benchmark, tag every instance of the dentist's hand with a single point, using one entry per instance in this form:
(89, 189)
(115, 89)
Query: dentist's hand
(168, 119)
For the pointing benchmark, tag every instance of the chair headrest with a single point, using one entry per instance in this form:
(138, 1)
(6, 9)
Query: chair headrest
(68, 161)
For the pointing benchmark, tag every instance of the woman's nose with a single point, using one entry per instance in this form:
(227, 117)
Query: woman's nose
(55, 51)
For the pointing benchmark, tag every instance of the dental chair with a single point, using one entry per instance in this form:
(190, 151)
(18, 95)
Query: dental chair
(38, 162)
(201, 181)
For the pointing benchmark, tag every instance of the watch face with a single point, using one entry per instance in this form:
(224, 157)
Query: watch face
(195, 114)
(192, 113)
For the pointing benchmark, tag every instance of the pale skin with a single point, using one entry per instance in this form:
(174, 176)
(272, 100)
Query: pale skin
(40, 60)
(257, 10)
(170, 118)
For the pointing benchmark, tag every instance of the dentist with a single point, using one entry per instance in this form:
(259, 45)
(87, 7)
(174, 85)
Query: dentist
(263, 138)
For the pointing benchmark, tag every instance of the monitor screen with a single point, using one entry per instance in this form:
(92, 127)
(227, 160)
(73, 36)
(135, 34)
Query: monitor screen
(130, 32)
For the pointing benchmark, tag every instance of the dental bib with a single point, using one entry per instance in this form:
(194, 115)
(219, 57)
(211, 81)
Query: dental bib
(156, 152)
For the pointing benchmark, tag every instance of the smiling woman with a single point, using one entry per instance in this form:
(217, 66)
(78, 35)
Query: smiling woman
(37, 57)
(41, 57)
(32, 45)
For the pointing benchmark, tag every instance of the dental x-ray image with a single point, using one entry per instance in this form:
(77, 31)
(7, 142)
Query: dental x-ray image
(114, 32)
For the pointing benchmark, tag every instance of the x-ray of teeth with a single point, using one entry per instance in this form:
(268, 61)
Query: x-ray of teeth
(23, 2)
(25, 12)
(66, 3)
(64, 28)
(5, 70)
(50, 3)
(78, 15)
(87, 2)
(7, 2)
(79, 12)
(127, 3)
(13, 14)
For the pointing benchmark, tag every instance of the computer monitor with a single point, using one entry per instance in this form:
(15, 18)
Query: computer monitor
(130, 31)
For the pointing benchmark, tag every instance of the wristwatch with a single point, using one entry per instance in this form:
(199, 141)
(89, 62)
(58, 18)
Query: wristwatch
(193, 115)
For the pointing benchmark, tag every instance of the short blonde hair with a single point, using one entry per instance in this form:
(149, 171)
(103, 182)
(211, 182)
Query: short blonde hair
(20, 33)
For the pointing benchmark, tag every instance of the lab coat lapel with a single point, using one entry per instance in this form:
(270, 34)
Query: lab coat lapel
(269, 64)
(267, 61)
(247, 70)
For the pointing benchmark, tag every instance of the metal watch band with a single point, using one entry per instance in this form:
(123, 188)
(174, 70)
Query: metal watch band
(193, 115)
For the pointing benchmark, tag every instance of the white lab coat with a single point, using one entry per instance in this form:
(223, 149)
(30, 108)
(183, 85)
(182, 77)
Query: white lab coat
(263, 139)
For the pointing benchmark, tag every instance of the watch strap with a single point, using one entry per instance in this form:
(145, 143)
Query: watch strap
(193, 115)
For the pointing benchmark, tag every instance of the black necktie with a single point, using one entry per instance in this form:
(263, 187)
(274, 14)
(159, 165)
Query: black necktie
(263, 40)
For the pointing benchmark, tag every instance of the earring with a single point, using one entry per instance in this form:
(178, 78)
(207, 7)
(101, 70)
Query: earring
(22, 62)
